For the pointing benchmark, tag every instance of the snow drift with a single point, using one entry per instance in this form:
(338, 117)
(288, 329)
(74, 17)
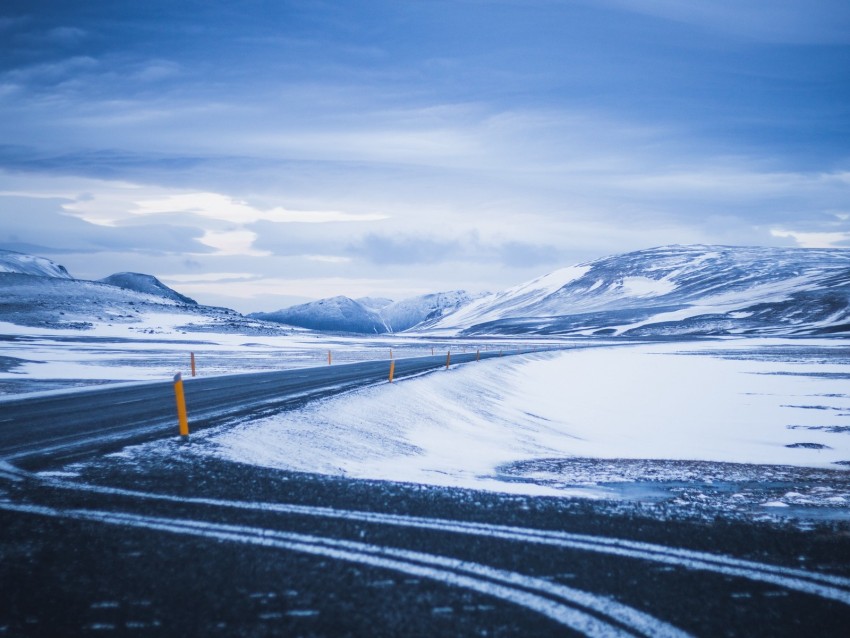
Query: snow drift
(499, 425)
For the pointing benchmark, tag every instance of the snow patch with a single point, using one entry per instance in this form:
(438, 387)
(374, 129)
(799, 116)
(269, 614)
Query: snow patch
(646, 287)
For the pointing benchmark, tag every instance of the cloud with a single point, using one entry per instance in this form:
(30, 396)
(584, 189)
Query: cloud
(9, 23)
(422, 250)
(838, 239)
(473, 147)
(65, 36)
(773, 21)
(158, 70)
(210, 277)
(53, 72)
(118, 205)
(232, 242)
(127, 201)
(328, 259)
(514, 253)
(407, 250)
(41, 223)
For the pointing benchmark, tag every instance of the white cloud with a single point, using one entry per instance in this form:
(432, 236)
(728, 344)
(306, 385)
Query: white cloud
(114, 205)
(781, 21)
(156, 70)
(329, 259)
(213, 277)
(233, 242)
(52, 72)
(814, 240)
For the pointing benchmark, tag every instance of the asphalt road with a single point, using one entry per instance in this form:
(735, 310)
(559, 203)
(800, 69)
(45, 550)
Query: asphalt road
(64, 426)
(187, 545)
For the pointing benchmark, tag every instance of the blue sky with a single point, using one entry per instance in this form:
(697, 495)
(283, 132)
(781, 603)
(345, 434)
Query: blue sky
(255, 154)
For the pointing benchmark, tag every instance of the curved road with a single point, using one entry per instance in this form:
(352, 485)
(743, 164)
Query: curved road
(64, 426)
(194, 546)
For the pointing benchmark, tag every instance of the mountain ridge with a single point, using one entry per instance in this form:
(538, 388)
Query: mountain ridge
(368, 315)
(670, 290)
(666, 291)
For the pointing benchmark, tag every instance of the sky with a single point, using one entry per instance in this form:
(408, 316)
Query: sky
(258, 154)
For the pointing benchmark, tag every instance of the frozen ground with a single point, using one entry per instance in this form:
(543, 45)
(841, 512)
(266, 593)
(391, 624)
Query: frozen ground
(757, 426)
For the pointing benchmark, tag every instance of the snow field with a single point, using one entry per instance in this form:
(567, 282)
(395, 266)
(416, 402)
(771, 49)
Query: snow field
(652, 401)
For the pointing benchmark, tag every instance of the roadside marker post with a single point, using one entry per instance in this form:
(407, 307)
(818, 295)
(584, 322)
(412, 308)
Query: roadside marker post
(392, 370)
(448, 358)
(192, 359)
(432, 351)
(478, 355)
(329, 357)
(180, 396)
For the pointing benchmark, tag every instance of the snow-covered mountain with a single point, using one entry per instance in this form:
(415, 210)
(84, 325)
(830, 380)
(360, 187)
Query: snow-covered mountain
(368, 315)
(147, 284)
(337, 314)
(673, 290)
(22, 264)
(407, 313)
(35, 291)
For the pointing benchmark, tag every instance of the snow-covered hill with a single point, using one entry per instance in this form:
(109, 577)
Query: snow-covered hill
(147, 284)
(338, 314)
(673, 290)
(35, 291)
(22, 264)
(368, 315)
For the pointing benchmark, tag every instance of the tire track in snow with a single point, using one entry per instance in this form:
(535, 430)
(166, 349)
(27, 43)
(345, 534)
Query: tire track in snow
(826, 586)
(609, 619)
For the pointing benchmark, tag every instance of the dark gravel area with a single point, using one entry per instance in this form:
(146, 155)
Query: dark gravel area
(71, 577)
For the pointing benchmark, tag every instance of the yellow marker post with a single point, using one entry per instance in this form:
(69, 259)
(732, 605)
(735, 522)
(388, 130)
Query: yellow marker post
(192, 358)
(329, 357)
(448, 359)
(182, 420)
(392, 370)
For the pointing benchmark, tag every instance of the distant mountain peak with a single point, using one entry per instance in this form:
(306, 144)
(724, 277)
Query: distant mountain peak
(336, 314)
(368, 315)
